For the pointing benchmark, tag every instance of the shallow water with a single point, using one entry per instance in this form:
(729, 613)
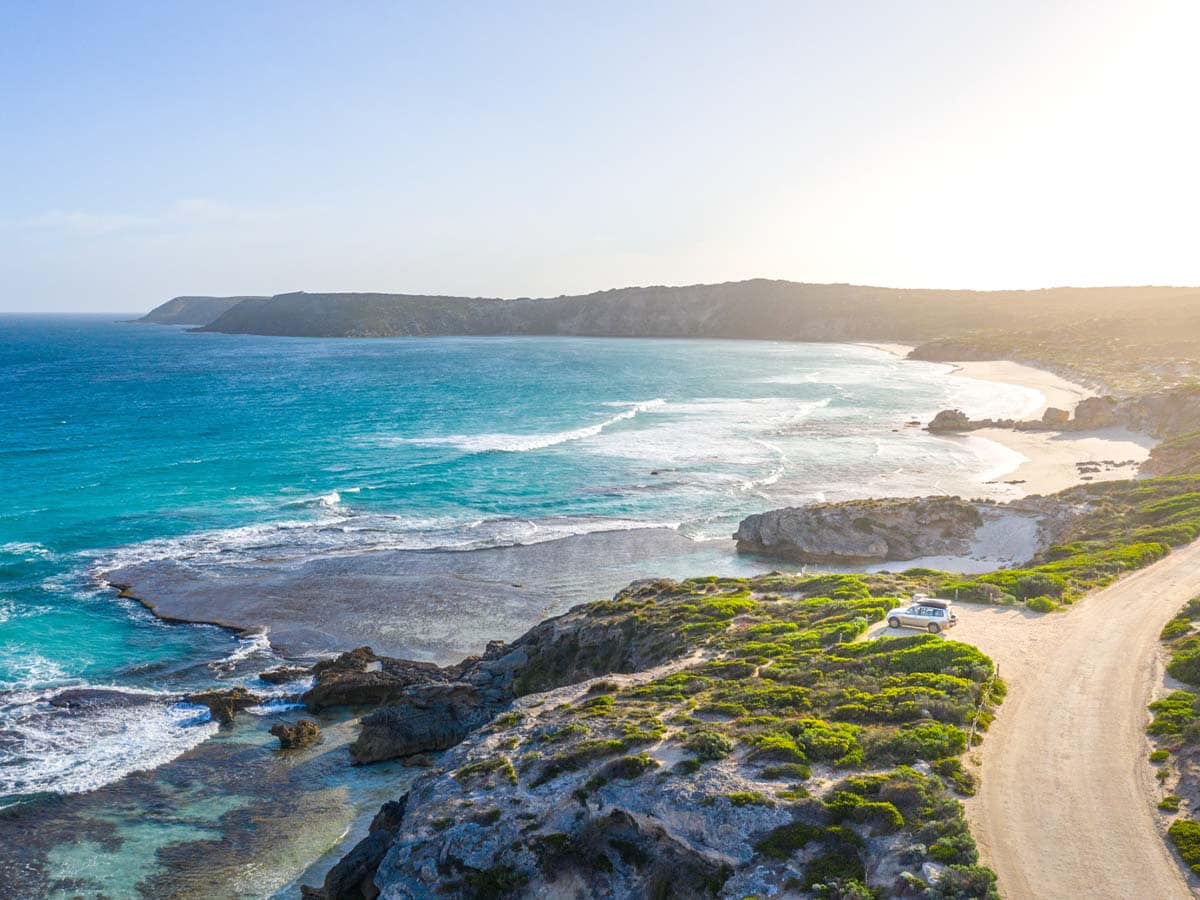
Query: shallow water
(224, 454)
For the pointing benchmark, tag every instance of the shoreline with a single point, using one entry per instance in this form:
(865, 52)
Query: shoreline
(1051, 460)
(351, 599)
(1055, 460)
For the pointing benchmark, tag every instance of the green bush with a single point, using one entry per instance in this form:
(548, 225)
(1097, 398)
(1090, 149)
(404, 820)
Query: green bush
(927, 741)
(965, 883)
(1185, 835)
(1159, 756)
(785, 840)
(1041, 604)
(1170, 803)
(1173, 713)
(1185, 662)
(708, 745)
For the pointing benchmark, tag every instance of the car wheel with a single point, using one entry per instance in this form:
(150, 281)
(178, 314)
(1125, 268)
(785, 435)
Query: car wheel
(933, 628)
(893, 622)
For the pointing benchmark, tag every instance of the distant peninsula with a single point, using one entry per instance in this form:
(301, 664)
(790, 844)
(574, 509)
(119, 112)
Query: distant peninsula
(1125, 339)
(194, 311)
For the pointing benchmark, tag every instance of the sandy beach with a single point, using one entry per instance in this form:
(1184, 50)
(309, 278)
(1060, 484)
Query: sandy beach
(1052, 460)
(1057, 460)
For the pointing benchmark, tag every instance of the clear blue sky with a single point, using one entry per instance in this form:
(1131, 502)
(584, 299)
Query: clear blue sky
(153, 149)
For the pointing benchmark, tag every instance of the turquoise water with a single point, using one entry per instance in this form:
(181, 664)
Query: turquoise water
(126, 443)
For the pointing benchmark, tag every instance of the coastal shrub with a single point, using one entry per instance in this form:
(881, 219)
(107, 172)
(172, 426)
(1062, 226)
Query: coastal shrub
(951, 768)
(1185, 662)
(749, 798)
(785, 840)
(955, 848)
(708, 745)
(626, 768)
(775, 747)
(1181, 624)
(926, 741)
(837, 587)
(1170, 803)
(786, 771)
(1185, 835)
(965, 883)
(485, 767)
(818, 739)
(577, 757)
(1173, 713)
(1159, 756)
(1041, 604)
(841, 863)
(1176, 628)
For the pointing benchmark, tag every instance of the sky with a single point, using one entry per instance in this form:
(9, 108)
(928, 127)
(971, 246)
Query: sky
(536, 149)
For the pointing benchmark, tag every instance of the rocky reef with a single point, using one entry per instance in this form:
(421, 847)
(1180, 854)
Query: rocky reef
(863, 531)
(715, 737)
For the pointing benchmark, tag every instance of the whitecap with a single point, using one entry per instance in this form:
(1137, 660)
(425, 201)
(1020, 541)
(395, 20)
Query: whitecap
(70, 750)
(501, 442)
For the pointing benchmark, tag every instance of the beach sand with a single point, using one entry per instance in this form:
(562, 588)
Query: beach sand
(1052, 460)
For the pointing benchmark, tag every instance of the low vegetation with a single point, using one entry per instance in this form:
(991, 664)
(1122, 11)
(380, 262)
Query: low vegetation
(1175, 731)
(1124, 525)
(818, 742)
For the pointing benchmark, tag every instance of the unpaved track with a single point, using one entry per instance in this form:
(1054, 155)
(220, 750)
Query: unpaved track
(1066, 806)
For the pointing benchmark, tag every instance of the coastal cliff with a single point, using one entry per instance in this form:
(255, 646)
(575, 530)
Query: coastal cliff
(713, 737)
(191, 310)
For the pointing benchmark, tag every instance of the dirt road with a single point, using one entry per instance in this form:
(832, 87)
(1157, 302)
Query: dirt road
(1066, 807)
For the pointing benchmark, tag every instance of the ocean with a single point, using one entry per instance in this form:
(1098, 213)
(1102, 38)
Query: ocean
(211, 456)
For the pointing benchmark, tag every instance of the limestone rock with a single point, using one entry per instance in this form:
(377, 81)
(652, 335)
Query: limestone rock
(427, 718)
(950, 420)
(1095, 412)
(304, 733)
(225, 703)
(361, 678)
(863, 531)
(1056, 418)
(283, 674)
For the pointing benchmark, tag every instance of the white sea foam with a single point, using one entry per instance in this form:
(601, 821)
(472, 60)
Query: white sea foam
(26, 550)
(66, 751)
(500, 442)
(26, 669)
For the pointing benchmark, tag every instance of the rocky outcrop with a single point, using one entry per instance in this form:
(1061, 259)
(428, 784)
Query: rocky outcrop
(427, 719)
(353, 877)
(862, 531)
(361, 678)
(1177, 456)
(1164, 414)
(949, 420)
(1056, 418)
(284, 674)
(225, 703)
(452, 702)
(304, 733)
(1095, 412)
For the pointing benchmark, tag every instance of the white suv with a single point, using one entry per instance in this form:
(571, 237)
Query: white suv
(925, 613)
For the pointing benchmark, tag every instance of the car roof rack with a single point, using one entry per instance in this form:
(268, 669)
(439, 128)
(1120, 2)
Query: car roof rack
(937, 604)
